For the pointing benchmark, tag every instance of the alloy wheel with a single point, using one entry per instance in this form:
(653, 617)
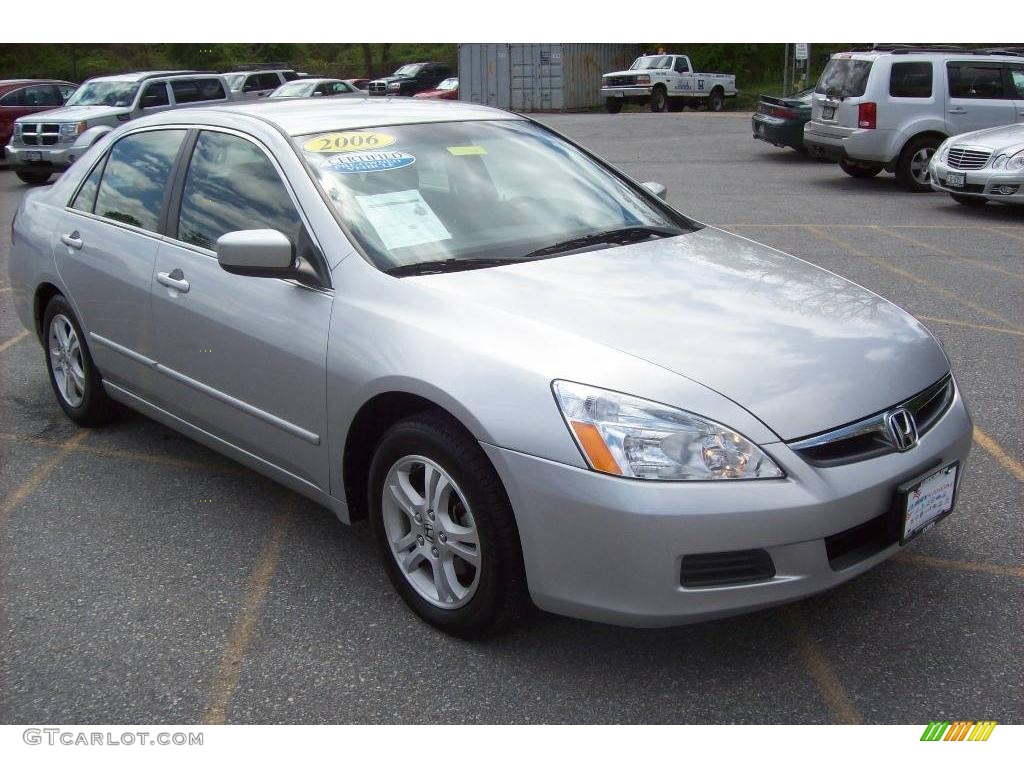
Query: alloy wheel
(431, 532)
(66, 361)
(919, 164)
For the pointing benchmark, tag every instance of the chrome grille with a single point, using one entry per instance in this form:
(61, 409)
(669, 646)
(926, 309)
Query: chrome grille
(871, 436)
(378, 86)
(35, 134)
(622, 80)
(966, 159)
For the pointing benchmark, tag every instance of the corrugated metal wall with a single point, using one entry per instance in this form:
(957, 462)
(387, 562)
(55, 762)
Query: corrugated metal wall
(538, 77)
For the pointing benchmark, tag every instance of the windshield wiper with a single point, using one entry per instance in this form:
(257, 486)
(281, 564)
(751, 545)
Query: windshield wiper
(621, 236)
(446, 265)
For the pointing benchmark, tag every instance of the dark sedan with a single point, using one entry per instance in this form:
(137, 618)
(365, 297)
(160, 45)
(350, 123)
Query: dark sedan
(780, 120)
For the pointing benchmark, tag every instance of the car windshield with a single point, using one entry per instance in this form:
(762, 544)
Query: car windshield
(475, 191)
(235, 81)
(408, 69)
(109, 93)
(652, 62)
(844, 78)
(293, 89)
(449, 85)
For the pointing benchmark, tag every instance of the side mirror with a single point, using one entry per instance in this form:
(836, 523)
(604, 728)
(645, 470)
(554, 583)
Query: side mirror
(256, 253)
(655, 189)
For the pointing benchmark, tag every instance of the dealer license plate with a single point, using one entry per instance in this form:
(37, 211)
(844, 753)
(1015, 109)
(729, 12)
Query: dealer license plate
(956, 180)
(928, 499)
(33, 156)
(827, 113)
(619, 94)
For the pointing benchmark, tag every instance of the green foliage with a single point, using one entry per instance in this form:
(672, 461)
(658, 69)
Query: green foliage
(83, 60)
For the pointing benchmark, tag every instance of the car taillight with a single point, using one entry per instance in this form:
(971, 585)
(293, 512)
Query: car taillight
(867, 115)
(786, 114)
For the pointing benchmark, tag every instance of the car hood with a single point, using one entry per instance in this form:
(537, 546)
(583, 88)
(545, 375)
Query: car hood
(622, 72)
(801, 348)
(393, 78)
(76, 114)
(1003, 138)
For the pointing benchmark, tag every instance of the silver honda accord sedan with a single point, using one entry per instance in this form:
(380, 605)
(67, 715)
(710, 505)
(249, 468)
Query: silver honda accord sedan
(535, 379)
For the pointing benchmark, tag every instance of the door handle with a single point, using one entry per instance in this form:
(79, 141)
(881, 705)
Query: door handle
(74, 240)
(958, 111)
(175, 280)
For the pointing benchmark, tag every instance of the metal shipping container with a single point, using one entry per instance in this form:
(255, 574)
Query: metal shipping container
(539, 77)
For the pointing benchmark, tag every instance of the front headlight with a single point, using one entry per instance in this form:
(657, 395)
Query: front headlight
(17, 128)
(943, 151)
(643, 79)
(629, 436)
(394, 86)
(1016, 163)
(72, 129)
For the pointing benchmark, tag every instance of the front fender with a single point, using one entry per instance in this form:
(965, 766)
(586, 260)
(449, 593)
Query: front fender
(90, 136)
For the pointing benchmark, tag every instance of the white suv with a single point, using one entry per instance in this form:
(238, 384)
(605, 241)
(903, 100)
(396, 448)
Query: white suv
(890, 108)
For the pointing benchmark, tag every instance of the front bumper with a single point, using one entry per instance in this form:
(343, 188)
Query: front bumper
(610, 549)
(56, 157)
(984, 183)
(777, 131)
(626, 92)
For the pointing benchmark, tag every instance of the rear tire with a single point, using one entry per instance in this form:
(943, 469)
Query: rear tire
(34, 177)
(716, 101)
(73, 376)
(429, 528)
(912, 167)
(859, 171)
(974, 202)
(659, 99)
(614, 106)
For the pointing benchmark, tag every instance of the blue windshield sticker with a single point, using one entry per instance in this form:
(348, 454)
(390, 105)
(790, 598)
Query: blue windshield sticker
(368, 162)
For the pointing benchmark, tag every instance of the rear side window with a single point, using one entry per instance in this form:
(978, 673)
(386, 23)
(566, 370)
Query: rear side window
(155, 95)
(911, 79)
(844, 78)
(232, 185)
(33, 96)
(269, 80)
(135, 177)
(289, 75)
(975, 81)
(1017, 80)
(203, 89)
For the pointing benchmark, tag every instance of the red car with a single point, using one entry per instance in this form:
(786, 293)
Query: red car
(446, 89)
(23, 97)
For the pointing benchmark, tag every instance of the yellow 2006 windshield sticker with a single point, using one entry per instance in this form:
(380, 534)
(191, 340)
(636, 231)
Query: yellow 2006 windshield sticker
(457, 151)
(349, 141)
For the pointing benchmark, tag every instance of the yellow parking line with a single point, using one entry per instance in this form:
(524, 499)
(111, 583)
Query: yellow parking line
(4, 346)
(911, 276)
(245, 622)
(960, 565)
(979, 326)
(950, 254)
(997, 452)
(820, 668)
(39, 475)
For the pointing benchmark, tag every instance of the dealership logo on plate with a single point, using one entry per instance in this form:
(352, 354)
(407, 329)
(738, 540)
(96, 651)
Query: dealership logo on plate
(368, 162)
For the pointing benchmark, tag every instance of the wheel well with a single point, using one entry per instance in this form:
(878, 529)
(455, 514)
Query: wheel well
(376, 416)
(931, 134)
(719, 89)
(44, 293)
(661, 86)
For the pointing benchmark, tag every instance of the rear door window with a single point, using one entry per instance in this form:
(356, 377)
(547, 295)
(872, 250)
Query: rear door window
(844, 78)
(911, 79)
(85, 200)
(135, 178)
(155, 95)
(200, 89)
(269, 81)
(1016, 78)
(976, 81)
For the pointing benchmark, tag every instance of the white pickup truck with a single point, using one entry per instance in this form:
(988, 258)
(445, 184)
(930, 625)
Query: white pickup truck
(666, 81)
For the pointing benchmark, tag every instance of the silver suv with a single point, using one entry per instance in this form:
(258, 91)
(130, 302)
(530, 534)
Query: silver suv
(49, 142)
(256, 83)
(890, 108)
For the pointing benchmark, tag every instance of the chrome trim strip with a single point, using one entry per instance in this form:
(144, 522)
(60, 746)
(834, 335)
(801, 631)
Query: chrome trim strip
(876, 424)
(216, 394)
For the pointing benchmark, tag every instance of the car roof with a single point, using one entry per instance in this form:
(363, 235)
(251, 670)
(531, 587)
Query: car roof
(314, 80)
(258, 71)
(925, 54)
(134, 77)
(10, 85)
(302, 116)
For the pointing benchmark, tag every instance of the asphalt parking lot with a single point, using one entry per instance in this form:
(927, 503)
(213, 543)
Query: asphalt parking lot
(144, 578)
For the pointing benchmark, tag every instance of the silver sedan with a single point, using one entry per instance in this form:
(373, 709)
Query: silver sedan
(534, 378)
(980, 166)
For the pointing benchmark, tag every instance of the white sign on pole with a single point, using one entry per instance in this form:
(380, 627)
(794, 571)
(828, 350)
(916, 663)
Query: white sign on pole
(801, 51)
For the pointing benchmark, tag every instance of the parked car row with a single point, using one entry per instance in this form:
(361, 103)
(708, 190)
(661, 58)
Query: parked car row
(942, 118)
(45, 125)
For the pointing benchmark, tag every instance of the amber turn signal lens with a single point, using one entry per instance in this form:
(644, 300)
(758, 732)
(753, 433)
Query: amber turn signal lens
(593, 444)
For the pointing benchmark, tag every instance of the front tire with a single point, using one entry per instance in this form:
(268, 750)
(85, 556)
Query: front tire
(445, 529)
(34, 177)
(859, 171)
(613, 105)
(912, 167)
(659, 99)
(73, 376)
